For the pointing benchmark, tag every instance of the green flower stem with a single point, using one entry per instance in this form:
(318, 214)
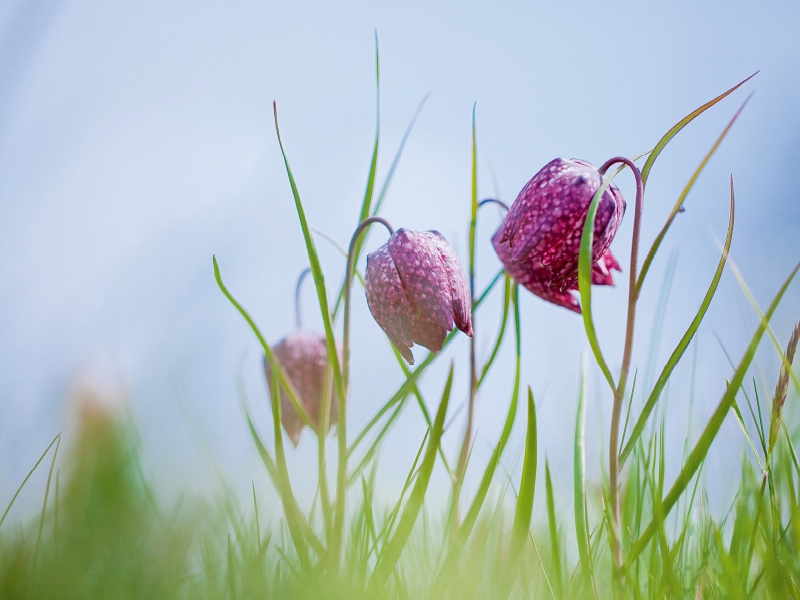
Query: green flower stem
(341, 473)
(619, 393)
(298, 318)
(474, 380)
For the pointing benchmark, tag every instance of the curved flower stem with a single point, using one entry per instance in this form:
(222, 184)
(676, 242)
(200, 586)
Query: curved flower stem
(473, 379)
(341, 468)
(499, 203)
(619, 393)
(298, 319)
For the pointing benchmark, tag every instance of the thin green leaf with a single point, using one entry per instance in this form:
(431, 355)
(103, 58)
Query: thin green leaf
(585, 280)
(555, 539)
(738, 413)
(319, 278)
(651, 254)
(465, 530)
(703, 444)
(654, 153)
(391, 554)
(579, 485)
(527, 487)
(396, 160)
(677, 354)
(499, 341)
(28, 476)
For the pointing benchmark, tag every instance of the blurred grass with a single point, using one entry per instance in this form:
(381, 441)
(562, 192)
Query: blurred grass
(103, 536)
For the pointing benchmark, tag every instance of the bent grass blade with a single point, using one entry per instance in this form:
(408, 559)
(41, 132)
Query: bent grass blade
(651, 254)
(703, 444)
(391, 554)
(680, 349)
(659, 147)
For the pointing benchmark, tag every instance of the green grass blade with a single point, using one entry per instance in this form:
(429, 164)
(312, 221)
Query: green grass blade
(527, 487)
(651, 254)
(277, 369)
(677, 354)
(579, 485)
(290, 509)
(391, 554)
(585, 280)
(743, 427)
(776, 344)
(44, 503)
(703, 444)
(499, 341)
(465, 530)
(396, 161)
(651, 159)
(56, 439)
(555, 539)
(318, 276)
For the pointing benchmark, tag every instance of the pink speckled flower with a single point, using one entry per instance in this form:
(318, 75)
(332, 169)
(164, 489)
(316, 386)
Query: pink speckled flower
(539, 240)
(304, 358)
(417, 289)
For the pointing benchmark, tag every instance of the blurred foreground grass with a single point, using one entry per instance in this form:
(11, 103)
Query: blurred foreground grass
(101, 535)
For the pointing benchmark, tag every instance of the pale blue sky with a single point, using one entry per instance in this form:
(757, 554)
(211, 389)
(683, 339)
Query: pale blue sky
(136, 140)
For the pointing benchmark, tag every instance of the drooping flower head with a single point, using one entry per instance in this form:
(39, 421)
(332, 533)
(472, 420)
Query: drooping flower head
(417, 290)
(539, 240)
(304, 358)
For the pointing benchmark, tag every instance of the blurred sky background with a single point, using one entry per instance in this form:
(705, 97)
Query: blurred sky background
(136, 140)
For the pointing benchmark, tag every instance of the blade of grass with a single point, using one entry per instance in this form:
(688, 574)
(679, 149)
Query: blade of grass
(456, 550)
(56, 439)
(500, 335)
(44, 503)
(585, 279)
(555, 541)
(527, 487)
(396, 160)
(651, 254)
(579, 485)
(703, 444)
(391, 554)
(654, 153)
(277, 369)
(680, 349)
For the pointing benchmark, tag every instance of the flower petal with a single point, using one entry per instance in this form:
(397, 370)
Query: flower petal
(417, 258)
(388, 300)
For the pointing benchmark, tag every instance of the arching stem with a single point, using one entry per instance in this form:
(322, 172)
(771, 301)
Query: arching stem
(619, 394)
(341, 468)
(298, 318)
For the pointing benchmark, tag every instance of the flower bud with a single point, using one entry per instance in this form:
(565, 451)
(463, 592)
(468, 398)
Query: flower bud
(304, 358)
(539, 239)
(417, 290)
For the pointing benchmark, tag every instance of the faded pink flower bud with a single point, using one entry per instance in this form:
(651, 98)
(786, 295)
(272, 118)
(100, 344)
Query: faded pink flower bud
(417, 289)
(539, 240)
(304, 358)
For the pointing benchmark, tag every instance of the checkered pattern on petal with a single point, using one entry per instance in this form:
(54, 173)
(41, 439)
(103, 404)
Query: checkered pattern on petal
(388, 300)
(418, 261)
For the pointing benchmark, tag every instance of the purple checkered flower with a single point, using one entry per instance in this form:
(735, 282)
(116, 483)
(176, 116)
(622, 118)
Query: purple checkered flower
(417, 290)
(304, 358)
(539, 240)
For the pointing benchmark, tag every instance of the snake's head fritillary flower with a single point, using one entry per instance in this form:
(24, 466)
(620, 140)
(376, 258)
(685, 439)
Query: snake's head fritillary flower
(304, 358)
(539, 240)
(417, 290)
